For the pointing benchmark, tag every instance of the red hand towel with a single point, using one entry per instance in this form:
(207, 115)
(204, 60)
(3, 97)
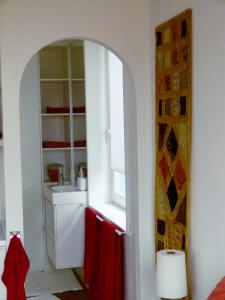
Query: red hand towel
(95, 280)
(118, 274)
(55, 144)
(109, 263)
(57, 110)
(79, 109)
(80, 143)
(106, 261)
(90, 244)
(15, 270)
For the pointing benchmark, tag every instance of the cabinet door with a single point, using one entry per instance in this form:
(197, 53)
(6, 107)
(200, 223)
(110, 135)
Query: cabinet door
(70, 235)
(50, 217)
(51, 246)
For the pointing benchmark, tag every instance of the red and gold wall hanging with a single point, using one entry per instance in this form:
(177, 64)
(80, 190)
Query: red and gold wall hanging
(173, 131)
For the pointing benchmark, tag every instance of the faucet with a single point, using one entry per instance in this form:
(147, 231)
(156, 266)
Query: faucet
(60, 176)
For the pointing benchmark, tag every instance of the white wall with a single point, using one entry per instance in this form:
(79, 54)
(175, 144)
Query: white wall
(31, 164)
(2, 183)
(207, 203)
(2, 187)
(25, 27)
(96, 122)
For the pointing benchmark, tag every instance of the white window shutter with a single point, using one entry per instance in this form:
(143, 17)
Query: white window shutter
(116, 113)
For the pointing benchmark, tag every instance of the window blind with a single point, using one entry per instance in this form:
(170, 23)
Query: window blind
(116, 113)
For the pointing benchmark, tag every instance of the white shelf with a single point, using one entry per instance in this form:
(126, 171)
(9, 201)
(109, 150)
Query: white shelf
(62, 84)
(61, 79)
(66, 114)
(54, 80)
(56, 149)
(77, 79)
(79, 148)
(79, 114)
(54, 115)
(50, 183)
(66, 148)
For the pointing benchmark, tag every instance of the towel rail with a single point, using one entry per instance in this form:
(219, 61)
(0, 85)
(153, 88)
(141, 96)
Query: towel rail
(13, 233)
(119, 232)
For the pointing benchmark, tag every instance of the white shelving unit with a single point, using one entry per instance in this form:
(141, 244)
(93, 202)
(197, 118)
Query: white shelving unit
(62, 84)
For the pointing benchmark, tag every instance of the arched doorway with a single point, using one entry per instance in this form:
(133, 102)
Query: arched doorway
(28, 80)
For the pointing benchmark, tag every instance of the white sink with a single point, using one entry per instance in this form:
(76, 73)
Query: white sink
(63, 188)
(64, 194)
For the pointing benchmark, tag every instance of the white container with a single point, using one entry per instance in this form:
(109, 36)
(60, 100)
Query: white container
(82, 183)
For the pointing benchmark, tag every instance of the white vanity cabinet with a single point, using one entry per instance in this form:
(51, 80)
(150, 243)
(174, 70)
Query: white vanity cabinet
(64, 223)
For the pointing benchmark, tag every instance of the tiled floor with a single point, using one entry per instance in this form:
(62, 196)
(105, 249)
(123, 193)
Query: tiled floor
(75, 295)
(78, 295)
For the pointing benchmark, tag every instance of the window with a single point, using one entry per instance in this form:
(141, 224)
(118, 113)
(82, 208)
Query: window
(116, 130)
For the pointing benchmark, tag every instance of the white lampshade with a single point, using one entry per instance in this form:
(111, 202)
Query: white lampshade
(171, 279)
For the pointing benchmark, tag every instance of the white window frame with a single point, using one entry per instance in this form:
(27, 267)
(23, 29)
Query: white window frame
(115, 198)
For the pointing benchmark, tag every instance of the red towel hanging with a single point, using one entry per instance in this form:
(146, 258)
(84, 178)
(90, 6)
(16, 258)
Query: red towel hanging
(90, 243)
(118, 274)
(106, 261)
(15, 270)
(103, 267)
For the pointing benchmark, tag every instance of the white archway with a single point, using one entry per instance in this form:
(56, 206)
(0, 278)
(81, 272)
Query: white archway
(27, 26)
(28, 127)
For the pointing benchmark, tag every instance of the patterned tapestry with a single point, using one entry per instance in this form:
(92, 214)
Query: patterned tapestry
(173, 129)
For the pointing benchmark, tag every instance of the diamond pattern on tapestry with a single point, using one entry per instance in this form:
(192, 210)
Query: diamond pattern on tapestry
(172, 194)
(179, 175)
(161, 227)
(162, 131)
(171, 144)
(162, 200)
(164, 167)
(181, 215)
(173, 131)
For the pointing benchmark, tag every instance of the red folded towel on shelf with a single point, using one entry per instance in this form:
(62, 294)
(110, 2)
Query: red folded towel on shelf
(64, 110)
(60, 144)
(55, 144)
(80, 143)
(57, 110)
(79, 109)
(15, 270)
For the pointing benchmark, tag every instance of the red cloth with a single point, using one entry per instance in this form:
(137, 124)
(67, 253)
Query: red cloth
(90, 243)
(219, 291)
(57, 110)
(103, 266)
(118, 273)
(61, 144)
(55, 144)
(79, 109)
(15, 270)
(81, 143)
